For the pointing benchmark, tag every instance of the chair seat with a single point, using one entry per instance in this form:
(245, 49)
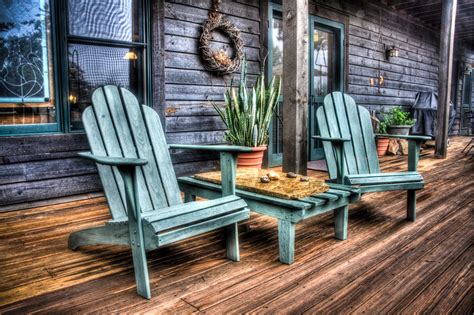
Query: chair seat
(193, 212)
(385, 181)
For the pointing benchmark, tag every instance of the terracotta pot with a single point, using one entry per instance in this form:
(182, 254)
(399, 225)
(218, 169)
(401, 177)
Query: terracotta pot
(382, 146)
(252, 159)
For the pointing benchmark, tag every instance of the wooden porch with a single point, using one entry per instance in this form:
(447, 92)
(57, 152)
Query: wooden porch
(387, 265)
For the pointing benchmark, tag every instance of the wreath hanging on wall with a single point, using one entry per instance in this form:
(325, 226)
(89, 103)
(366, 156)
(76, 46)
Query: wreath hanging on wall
(220, 61)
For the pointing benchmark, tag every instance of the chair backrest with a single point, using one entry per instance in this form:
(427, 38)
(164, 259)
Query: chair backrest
(339, 116)
(118, 126)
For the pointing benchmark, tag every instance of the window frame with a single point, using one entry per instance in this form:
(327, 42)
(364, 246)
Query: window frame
(60, 39)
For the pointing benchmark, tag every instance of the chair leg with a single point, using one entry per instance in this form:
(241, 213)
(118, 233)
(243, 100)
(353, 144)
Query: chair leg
(140, 266)
(232, 242)
(340, 222)
(411, 205)
(112, 235)
(286, 241)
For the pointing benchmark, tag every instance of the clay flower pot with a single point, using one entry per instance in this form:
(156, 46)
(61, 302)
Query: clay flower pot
(252, 159)
(382, 145)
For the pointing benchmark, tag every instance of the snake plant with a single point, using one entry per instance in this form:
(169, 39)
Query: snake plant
(248, 111)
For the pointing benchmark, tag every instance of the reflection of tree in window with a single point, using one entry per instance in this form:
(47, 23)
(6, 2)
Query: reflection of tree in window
(322, 62)
(22, 52)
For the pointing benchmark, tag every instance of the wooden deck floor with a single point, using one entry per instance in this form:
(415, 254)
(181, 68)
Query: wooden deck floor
(388, 265)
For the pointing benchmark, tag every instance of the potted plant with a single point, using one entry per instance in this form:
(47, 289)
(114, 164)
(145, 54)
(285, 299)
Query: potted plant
(248, 114)
(398, 121)
(382, 142)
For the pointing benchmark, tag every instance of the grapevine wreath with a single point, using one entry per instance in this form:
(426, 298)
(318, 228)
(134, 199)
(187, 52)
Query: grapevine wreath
(219, 61)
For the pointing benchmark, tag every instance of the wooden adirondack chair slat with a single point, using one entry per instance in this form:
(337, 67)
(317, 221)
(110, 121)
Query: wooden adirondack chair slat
(199, 213)
(359, 161)
(369, 139)
(117, 138)
(382, 179)
(113, 188)
(160, 149)
(189, 207)
(345, 132)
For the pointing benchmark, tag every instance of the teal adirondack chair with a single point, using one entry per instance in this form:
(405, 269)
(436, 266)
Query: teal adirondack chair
(129, 147)
(351, 155)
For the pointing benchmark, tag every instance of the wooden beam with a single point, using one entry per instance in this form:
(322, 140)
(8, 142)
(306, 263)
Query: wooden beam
(445, 68)
(295, 86)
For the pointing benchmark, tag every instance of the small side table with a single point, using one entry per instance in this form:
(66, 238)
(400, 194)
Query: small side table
(288, 212)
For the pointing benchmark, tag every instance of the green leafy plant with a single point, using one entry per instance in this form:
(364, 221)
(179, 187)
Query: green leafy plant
(383, 127)
(397, 117)
(248, 112)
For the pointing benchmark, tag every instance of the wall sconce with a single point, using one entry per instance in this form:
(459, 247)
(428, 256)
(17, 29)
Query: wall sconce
(391, 52)
(72, 99)
(467, 69)
(130, 56)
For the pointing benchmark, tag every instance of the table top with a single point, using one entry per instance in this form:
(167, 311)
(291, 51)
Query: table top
(284, 187)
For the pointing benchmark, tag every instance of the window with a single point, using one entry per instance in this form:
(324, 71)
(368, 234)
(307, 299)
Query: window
(26, 69)
(97, 43)
(105, 45)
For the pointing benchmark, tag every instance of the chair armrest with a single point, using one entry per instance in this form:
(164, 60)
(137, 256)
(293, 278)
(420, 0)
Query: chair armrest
(228, 162)
(331, 139)
(113, 161)
(406, 137)
(218, 148)
(414, 143)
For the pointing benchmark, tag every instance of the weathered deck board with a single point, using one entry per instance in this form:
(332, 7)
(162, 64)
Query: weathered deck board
(388, 264)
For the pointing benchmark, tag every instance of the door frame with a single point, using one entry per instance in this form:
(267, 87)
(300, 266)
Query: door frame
(339, 29)
(275, 159)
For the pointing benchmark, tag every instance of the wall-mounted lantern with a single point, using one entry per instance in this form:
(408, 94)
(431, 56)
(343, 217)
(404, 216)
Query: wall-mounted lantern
(391, 52)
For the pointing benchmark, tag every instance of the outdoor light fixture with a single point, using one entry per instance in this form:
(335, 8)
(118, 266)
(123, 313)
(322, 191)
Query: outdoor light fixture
(130, 56)
(72, 99)
(467, 69)
(391, 52)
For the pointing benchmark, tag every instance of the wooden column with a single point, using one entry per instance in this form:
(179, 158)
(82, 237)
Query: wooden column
(295, 86)
(445, 69)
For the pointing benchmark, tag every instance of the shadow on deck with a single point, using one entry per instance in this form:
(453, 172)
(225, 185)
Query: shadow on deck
(387, 265)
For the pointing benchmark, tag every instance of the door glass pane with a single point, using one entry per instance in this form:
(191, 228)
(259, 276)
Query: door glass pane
(92, 66)
(277, 46)
(112, 19)
(277, 70)
(26, 74)
(324, 53)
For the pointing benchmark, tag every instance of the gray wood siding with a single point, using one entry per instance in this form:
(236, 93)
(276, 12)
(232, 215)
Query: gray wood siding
(413, 71)
(189, 88)
(45, 166)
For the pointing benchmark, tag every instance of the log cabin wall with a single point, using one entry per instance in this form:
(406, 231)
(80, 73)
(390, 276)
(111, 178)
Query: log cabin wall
(45, 166)
(189, 88)
(39, 167)
(416, 68)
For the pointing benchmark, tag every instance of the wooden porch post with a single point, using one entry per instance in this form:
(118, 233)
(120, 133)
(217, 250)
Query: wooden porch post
(445, 69)
(295, 86)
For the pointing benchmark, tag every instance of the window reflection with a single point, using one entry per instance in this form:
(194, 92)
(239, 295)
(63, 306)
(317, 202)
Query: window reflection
(26, 80)
(323, 61)
(111, 19)
(92, 66)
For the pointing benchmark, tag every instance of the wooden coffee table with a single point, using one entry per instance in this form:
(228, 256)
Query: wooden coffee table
(289, 212)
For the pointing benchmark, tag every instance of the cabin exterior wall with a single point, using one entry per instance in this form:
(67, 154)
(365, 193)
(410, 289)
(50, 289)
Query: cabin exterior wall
(36, 167)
